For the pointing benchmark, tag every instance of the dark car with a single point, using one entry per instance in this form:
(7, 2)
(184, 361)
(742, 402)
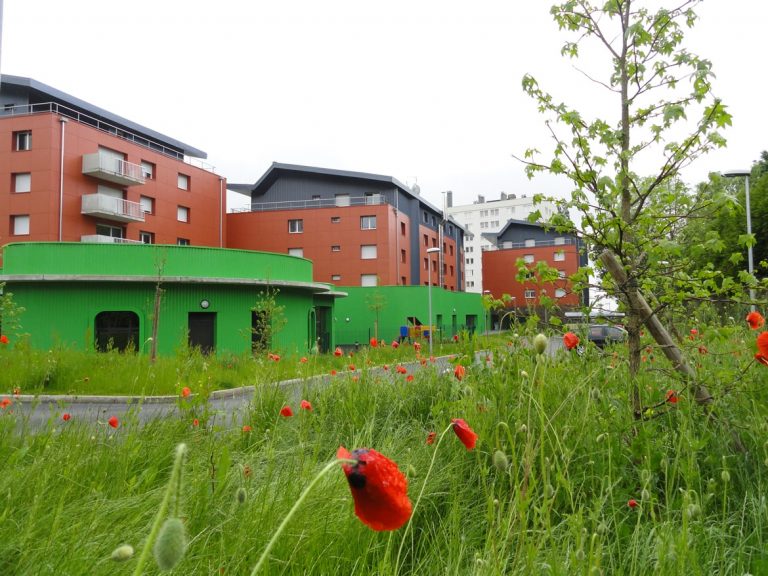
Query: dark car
(602, 334)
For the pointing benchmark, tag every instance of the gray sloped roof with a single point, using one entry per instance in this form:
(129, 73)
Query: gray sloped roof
(39, 93)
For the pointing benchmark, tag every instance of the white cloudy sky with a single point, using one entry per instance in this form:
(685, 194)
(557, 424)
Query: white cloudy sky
(421, 90)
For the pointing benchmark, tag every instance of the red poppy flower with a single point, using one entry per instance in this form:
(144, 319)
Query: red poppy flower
(409, 378)
(762, 348)
(337, 352)
(459, 372)
(5, 402)
(417, 346)
(423, 361)
(432, 359)
(305, 405)
(455, 337)
(570, 340)
(303, 360)
(386, 367)
(401, 369)
(632, 503)
(703, 349)
(333, 372)
(195, 422)
(17, 391)
(66, 416)
(374, 342)
(274, 357)
(465, 433)
(395, 344)
(672, 397)
(431, 438)
(379, 489)
(755, 320)
(185, 392)
(114, 422)
(286, 411)
(694, 333)
(3, 339)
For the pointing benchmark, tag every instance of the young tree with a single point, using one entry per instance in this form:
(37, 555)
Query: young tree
(660, 113)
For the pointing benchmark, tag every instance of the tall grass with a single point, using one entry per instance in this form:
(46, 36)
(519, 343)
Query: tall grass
(72, 493)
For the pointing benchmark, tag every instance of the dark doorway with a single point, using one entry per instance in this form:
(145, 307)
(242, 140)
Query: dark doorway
(118, 330)
(454, 325)
(202, 331)
(260, 331)
(323, 328)
(471, 323)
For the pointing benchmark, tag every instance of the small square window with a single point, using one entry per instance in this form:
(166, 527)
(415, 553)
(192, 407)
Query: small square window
(295, 226)
(336, 277)
(148, 170)
(182, 214)
(147, 237)
(528, 258)
(367, 222)
(147, 204)
(296, 252)
(368, 252)
(559, 256)
(20, 225)
(335, 219)
(369, 280)
(530, 293)
(22, 182)
(22, 140)
(336, 248)
(183, 181)
(182, 241)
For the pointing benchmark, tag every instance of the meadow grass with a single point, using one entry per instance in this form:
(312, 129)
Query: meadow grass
(72, 493)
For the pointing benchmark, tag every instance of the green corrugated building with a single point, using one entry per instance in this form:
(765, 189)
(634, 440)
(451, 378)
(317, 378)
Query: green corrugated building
(80, 295)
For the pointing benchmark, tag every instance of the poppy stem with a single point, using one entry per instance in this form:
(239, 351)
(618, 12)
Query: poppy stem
(421, 493)
(181, 450)
(295, 507)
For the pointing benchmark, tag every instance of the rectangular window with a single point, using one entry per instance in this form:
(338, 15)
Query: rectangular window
(295, 226)
(372, 198)
(530, 242)
(483, 225)
(426, 240)
(559, 293)
(559, 256)
(147, 237)
(368, 252)
(451, 270)
(20, 225)
(22, 140)
(183, 181)
(22, 182)
(368, 280)
(530, 293)
(147, 204)
(403, 256)
(335, 219)
(450, 250)
(528, 258)
(559, 241)
(434, 242)
(403, 280)
(147, 170)
(336, 248)
(111, 231)
(182, 214)
(367, 222)
(426, 264)
(426, 216)
(182, 241)
(402, 228)
(342, 199)
(434, 265)
(296, 252)
(335, 277)
(316, 197)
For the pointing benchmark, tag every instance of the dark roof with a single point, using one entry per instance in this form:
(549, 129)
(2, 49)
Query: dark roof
(40, 93)
(513, 222)
(278, 168)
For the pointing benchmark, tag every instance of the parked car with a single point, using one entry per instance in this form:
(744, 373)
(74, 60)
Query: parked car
(602, 334)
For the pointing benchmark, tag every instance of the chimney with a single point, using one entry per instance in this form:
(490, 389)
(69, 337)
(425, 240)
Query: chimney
(503, 195)
(449, 199)
(480, 199)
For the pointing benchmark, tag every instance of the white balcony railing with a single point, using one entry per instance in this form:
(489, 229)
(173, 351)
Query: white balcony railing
(111, 208)
(117, 170)
(101, 239)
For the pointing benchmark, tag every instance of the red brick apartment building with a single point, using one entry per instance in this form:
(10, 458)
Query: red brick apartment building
(358, 229)
(529, 241)
(73, 172)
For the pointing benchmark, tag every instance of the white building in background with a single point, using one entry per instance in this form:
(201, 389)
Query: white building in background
(484, 216)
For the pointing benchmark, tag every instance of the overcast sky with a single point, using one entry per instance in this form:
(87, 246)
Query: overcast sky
(421, 90)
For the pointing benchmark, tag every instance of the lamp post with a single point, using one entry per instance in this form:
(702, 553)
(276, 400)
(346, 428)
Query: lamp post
(750, 262)
(429, 293)
(486, 295)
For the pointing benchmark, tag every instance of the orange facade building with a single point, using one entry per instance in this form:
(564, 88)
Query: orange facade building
(358, 229)
(73, 172)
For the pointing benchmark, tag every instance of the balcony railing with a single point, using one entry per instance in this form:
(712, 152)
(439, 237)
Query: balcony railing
(101, 239)
(111, 208)
(341, 202)
(537, 244)
(112, 169)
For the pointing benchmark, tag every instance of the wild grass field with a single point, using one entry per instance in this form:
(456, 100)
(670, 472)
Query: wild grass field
(563, 478)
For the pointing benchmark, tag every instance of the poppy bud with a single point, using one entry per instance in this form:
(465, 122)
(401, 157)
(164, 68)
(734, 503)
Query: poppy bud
(540, 343)
(122, 553)
(241, 495)
(726, 476)
(171, 544)
(500, 460)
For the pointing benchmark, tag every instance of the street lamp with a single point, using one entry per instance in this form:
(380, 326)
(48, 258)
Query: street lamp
(750, 262)
(487, 311)
(429, 293)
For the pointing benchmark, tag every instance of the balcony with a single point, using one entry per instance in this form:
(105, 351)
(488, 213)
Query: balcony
(112, 169)
(100, 239)
(111, 208)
